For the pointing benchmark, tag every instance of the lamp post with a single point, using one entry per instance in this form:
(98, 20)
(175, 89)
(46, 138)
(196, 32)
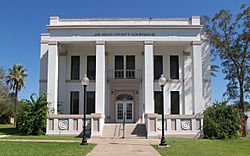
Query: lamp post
(84, 82)
(162, 81)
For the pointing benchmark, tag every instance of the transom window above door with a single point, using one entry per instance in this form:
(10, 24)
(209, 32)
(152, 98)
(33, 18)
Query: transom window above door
(124, 97)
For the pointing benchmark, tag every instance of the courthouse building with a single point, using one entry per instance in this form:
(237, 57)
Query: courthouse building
(123, 59)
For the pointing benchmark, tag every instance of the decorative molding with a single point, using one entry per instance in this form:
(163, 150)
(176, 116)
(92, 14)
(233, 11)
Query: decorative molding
(53, 43)
(185, 125)
(159, 125)
(100, 42)
(44, 42)
(63, 124)
(148, 42)
(57, 27)
(196, 42)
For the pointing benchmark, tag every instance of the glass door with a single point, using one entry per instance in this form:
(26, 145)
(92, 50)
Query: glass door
(124, 109)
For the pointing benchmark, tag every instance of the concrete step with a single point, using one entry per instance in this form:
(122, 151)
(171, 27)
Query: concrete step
(132, 130)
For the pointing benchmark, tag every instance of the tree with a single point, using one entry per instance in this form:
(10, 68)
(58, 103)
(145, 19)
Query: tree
(31, 118)
(15, 80)
(229, 37)
(221, 121)
(3, 87)
(214, 69)
(6, 99)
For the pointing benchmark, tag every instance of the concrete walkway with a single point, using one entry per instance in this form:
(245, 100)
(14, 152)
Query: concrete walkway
(122, 147)
(109, 147)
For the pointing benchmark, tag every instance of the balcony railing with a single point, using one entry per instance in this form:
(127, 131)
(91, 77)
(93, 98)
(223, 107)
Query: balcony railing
(124, 74)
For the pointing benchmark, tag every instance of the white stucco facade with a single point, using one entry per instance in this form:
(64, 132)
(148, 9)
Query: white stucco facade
(142, 38)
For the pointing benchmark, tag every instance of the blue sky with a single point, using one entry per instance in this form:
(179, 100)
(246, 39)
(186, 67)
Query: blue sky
(22, 21)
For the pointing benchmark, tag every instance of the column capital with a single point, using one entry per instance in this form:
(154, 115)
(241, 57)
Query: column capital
(196, 42)
(100, 42)
(148, 42)
(52, 43)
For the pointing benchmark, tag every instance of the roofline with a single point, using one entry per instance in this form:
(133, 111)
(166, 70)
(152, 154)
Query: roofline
(50, 27)
(123, 19)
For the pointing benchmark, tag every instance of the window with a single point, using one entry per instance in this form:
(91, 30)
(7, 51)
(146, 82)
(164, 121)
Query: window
(75, 67)
(158, 66)
(74, 102)
(174, 67)
(91, 67)
(158, 102)
(119, 67)
(175, 102)
(90, 102)
(130, 62)
(130, 66)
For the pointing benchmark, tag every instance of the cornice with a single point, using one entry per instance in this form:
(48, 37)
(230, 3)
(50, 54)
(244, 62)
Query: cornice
(56, 27)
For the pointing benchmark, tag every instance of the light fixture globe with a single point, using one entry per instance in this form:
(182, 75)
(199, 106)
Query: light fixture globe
(85, 80)
(162, 80)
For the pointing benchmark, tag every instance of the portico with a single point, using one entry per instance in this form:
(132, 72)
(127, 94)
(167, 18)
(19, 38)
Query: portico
(123, 59)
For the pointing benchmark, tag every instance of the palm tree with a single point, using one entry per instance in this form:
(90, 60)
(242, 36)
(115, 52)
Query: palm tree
(214, 68)
(15, 80)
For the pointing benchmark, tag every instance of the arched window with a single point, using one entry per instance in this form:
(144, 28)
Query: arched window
(124, 97)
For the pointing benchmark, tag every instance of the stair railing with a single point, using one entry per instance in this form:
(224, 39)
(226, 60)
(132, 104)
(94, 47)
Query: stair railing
(123, 124)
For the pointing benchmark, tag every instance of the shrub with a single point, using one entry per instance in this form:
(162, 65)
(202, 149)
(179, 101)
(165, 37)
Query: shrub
(31, 118)
(221, 121)
(7, 109)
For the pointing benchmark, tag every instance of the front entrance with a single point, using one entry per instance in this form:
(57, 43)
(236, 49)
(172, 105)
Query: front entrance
(124, 109)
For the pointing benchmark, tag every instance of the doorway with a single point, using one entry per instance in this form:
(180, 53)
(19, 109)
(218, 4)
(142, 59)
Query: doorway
(124, 108)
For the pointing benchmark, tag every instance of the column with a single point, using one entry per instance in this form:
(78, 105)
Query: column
(100, 78)
(187, 83)
(149, 76)
(197, 78)
(52, 84)
(62, 94)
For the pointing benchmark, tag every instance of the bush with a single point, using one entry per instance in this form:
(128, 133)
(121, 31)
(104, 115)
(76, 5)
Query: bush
(31, 118)
(7, 109)
(221, 121)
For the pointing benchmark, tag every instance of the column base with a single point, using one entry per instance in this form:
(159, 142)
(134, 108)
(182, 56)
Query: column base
(97, 124)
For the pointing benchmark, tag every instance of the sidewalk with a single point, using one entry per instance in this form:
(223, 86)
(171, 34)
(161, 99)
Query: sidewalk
(109, 147)
(122, 147)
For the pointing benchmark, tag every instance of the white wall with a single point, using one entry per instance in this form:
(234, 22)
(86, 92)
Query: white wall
(118, 49)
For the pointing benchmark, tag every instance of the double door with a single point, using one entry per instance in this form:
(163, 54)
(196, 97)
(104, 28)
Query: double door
(124, 111)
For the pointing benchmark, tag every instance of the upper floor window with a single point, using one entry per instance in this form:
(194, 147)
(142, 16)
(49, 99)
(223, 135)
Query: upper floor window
(158, 66)
(75, 67)
(174, 67)
(129, 63)
(130, 66)
(119, 66)
(91, 62)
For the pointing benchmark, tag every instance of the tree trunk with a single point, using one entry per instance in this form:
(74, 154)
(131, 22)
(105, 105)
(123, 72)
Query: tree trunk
(242, 109)
(16, 107)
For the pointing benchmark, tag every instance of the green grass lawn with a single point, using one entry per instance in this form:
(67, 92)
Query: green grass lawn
(34, 148)
(11, 130)
(205, 147)
(43, 137)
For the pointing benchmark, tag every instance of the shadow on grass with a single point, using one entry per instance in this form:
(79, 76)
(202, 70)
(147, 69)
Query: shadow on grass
(8, 130)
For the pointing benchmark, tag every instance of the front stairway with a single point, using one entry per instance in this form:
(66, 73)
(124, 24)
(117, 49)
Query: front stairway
(132, 130)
